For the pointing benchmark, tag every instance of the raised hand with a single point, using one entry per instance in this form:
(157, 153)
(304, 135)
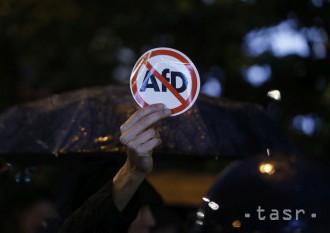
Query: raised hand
(141, 138)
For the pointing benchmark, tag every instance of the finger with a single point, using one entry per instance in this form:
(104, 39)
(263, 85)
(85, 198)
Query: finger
(132, 135)
(146, 136)
(140, 114)
(148, 146)
(145, 123)
(143, 138)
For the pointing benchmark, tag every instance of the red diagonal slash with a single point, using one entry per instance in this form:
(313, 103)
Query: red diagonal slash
(165, 82)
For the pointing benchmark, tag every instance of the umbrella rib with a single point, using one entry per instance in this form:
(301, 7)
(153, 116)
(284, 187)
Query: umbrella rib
(64, 133)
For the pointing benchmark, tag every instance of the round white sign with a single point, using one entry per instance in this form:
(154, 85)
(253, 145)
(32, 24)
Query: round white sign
(167, 76)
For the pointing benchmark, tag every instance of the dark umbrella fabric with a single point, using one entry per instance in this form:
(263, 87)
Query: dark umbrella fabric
(88, 121)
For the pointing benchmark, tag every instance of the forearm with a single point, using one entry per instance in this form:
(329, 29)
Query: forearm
(140, 138)
(125, 184)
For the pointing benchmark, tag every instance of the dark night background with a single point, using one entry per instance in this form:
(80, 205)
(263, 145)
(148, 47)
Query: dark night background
(49, 47)
(242, 48)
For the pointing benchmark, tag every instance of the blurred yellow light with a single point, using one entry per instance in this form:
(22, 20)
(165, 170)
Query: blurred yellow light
(267, 168)
(101, 139)
(236, 224)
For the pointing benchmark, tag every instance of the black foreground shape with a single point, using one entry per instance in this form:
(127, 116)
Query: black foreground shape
(268, 194)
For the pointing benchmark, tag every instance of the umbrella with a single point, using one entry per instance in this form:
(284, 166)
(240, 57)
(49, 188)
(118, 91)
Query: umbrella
(280, 194)
(87, 121)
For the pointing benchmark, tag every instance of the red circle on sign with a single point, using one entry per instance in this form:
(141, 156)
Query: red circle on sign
(144, 60)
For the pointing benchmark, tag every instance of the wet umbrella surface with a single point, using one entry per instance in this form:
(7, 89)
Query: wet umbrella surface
(88, 121)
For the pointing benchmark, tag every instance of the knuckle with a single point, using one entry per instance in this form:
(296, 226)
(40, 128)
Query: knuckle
(153, 143)
(160, 114)
(122, 127)
(123, 140)
(131, 145)
(156, 141)
(139, 113)
(143, 111)
(151, 118)
(152, 106)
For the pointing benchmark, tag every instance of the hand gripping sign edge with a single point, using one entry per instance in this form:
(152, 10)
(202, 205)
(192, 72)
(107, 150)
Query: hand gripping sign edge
(144, 60)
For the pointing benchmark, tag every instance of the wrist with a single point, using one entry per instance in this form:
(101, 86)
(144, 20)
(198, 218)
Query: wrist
(135, 172)
(125, 183)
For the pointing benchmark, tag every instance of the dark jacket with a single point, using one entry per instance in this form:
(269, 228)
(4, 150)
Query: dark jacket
(84, 207)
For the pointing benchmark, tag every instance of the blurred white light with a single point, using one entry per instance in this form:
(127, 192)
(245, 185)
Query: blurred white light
(257, 75)
(274, 94)
(212, 87)
(281, 40)
(287, 41)
(256, 42)
(206, 199)
(213, 205)
(306, 124)
(27, 179)
(199, 222)
(200, 214)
